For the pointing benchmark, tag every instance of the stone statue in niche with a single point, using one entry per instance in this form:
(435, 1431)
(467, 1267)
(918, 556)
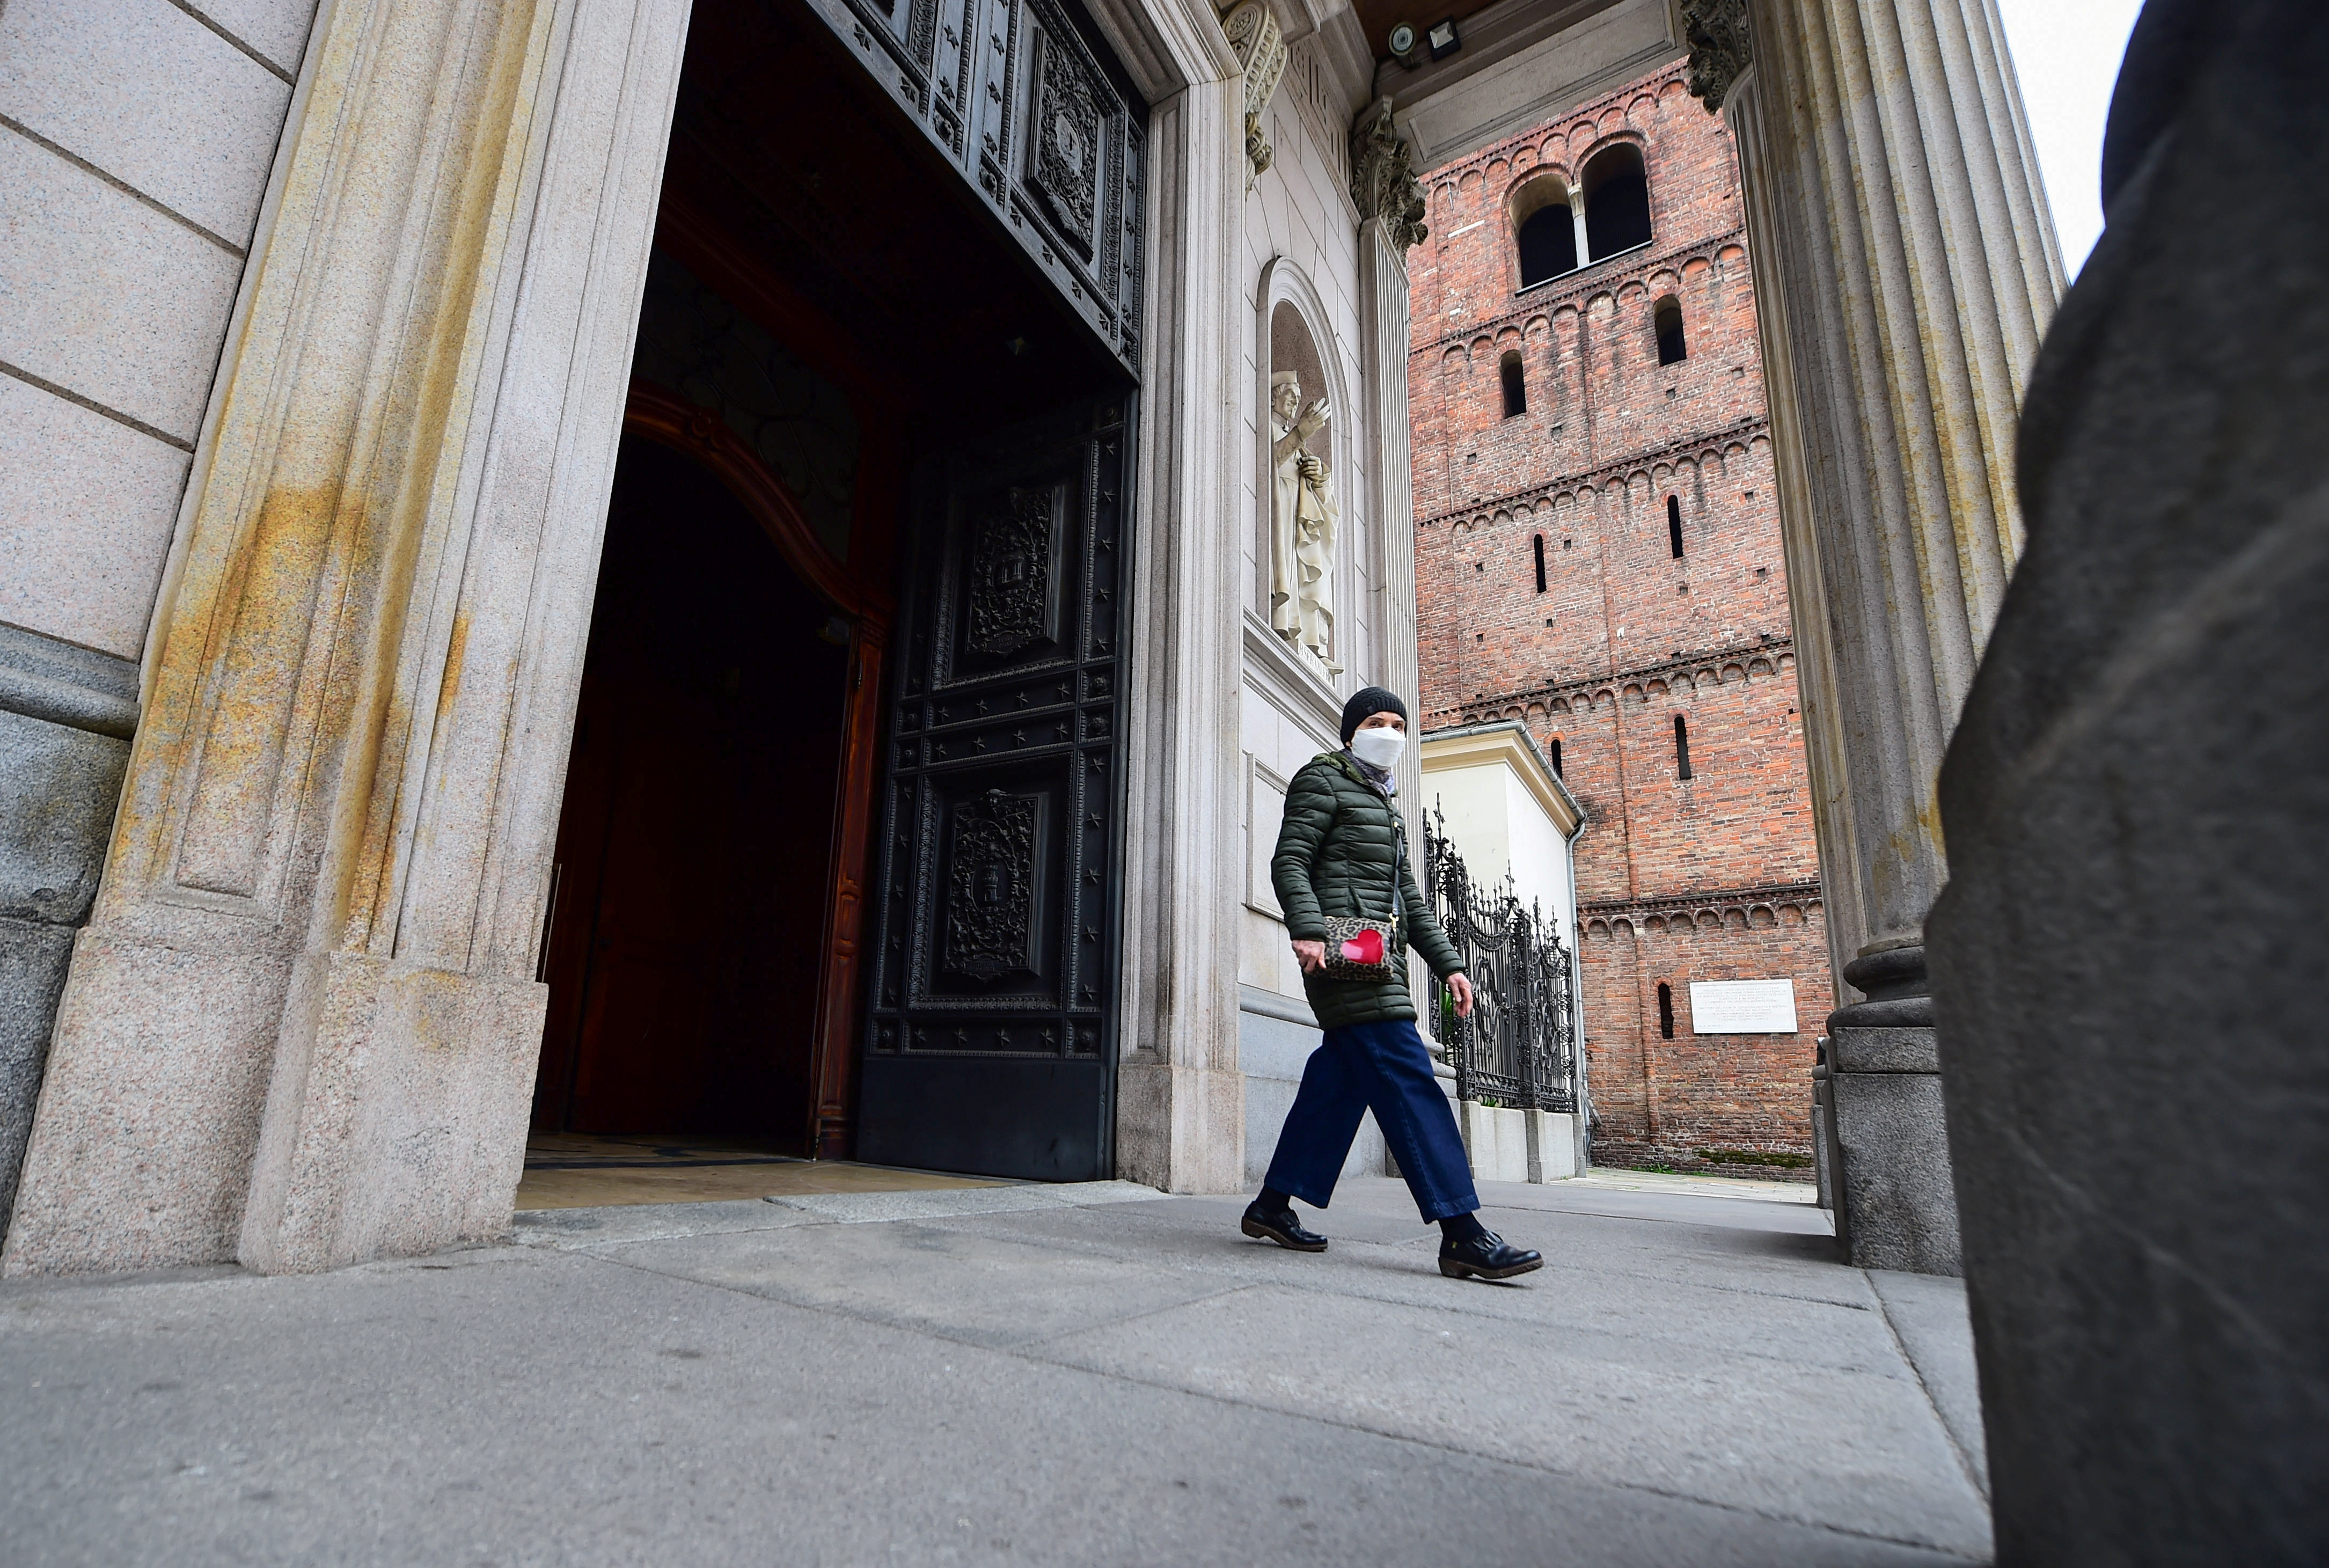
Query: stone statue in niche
(1302, 520)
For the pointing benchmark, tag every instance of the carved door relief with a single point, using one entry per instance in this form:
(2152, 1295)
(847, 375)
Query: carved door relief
(1013, 565)
(991, 1021)
(990, 886)
(1019, 100)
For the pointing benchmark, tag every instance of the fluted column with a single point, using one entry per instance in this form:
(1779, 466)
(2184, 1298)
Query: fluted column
(301, 1025)
(1180, 1097)
(1905, 270)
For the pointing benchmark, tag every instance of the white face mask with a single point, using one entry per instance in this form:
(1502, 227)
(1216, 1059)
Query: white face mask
(1378, 748)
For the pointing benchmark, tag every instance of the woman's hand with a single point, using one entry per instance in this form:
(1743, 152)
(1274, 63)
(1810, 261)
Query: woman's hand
(1462, 989)
(1311, 956)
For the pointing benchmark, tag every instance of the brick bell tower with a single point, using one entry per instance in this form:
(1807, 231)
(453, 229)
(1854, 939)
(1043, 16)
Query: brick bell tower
(1598, 554)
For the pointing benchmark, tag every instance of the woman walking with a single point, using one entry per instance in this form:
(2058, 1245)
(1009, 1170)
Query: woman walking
(1341, 872)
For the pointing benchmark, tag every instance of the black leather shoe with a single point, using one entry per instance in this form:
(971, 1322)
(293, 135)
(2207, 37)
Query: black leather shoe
(1487, 1256)
(1282, 1227)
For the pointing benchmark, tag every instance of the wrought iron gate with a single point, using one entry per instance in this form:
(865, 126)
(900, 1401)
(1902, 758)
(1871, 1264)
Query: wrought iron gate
(1519, 1046)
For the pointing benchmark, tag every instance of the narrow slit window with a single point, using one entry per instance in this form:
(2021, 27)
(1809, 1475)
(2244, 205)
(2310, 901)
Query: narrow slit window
(1556, 754)
(1515, 388)
(1682, 745)
(1674, 524)
(1540, 563)
(1673, 346)
(1666, 1011)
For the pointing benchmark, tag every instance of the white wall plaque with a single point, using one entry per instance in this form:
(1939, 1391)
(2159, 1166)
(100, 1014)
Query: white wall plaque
(1743, 1007)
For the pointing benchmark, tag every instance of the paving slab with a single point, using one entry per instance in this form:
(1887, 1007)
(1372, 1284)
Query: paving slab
(1929, 1314)
(1127, 1383)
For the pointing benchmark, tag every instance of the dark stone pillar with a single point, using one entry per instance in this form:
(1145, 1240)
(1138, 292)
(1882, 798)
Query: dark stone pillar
(2129, 961)
(65, 713)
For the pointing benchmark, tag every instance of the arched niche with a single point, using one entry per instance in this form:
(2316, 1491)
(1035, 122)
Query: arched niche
(1293, 339)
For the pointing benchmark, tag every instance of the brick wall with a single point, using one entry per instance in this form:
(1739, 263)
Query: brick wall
(1612, 457)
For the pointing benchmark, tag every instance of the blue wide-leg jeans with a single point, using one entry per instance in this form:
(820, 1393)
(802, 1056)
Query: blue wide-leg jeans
(1381, 1067)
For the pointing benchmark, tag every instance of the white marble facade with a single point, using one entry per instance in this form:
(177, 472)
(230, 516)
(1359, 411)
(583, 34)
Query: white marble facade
(1303, 254)
(133, 160)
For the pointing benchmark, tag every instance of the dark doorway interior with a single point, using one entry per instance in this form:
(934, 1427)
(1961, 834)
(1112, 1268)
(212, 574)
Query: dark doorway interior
(694, 849)
(850, 348)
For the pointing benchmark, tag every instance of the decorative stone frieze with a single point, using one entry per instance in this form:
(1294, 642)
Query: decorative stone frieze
(1718, 35)
(1708, 910)
(1382, 178)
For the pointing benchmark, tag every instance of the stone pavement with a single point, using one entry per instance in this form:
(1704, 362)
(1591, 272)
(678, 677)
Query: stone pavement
(1014, 1376)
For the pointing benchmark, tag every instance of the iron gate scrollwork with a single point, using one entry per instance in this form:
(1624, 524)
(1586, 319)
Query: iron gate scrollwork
(1519, 1046)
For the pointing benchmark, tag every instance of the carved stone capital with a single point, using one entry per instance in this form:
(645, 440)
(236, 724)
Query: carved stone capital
(1719, 50)
(1260, 48)
(1383, 177)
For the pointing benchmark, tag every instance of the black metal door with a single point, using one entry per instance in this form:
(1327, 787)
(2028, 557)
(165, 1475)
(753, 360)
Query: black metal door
(990, 1041)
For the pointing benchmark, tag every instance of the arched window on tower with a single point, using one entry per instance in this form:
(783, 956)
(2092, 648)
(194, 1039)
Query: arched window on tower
(1516, 390)
(1673, 524)
(1666, 1011)
(1616, 202)
(1540, 563)
(1545, 229)
(1672, 349)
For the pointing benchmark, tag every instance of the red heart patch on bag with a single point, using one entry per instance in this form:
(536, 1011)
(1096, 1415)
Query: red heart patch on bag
(1366, 947)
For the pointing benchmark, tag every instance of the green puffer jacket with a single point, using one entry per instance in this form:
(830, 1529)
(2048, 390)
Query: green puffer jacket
(1335, 856)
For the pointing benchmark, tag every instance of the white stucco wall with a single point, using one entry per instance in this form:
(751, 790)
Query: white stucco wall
(1499, 827)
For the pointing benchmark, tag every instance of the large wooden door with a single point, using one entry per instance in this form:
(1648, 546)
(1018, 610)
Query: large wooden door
(991, 1035)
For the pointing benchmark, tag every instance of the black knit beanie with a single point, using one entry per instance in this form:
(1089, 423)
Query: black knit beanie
(1366, 702)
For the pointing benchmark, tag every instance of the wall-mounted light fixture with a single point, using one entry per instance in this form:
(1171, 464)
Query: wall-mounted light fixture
(1405, 45)
(1443, 40)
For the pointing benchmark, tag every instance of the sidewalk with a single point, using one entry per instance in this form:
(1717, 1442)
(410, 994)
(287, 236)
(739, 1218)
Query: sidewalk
(1012, 1376)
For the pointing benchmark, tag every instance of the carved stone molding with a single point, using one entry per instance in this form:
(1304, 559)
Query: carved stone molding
(1260, 48)
(1719, 50)
(1710, 909)
(1383, 177)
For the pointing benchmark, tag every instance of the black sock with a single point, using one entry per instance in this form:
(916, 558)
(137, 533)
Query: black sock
(1460, 1227)
(1274, 1201)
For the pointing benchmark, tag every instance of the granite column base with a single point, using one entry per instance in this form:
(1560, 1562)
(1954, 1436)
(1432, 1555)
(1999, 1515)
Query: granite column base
(1894, 1136)
(1888, 1174)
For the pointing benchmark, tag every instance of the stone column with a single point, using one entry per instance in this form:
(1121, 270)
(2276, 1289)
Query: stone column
(1391, 207)
(1905, 269)
(1391, 204)
(301, 1026)
(2129, 958)
(1180, 1096)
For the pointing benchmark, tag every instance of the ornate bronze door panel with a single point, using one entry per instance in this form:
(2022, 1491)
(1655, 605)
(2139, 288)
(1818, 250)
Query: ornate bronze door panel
(1042, 125)
(990, 1042)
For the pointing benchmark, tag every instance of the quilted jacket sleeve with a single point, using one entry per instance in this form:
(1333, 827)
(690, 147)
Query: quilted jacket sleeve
(1423, 931)
(1309, 813)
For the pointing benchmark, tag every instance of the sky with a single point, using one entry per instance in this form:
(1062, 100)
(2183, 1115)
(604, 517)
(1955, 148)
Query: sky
(2067, 54)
